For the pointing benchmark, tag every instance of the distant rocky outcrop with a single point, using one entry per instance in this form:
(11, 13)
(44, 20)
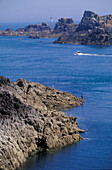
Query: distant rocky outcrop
(65, 25)
(29, 121)
(33, 31)
(43, 30)
(92, 30)
(38, 27)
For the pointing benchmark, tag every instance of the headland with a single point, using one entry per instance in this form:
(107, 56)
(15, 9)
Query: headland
(31, 120)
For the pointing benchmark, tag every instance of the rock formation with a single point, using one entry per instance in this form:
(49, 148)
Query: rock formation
(89, 21)
(92, 30)
(29, 122)
(38, 27)
(65, 25)
(37, 30)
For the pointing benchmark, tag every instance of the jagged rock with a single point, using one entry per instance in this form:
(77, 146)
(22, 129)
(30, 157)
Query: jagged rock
(99, 36)
(25, 129)
(89, 21)
(39, 96)
(106, 20)
(92, 30)
(4, 81)
(64, 25)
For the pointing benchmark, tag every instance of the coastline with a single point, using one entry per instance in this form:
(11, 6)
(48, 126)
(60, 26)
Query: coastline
(30, 120)
(92, 30)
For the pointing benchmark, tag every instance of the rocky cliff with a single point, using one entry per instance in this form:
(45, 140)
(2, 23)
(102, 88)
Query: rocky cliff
(29, 122)
(90, 21)
(92, 30)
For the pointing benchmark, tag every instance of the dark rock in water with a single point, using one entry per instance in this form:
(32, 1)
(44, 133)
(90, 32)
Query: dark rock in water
(29, 123)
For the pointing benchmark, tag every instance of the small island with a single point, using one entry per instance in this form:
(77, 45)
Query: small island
(31, 120)
(92, 30)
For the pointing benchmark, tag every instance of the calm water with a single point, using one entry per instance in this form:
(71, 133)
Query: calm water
(55, 64)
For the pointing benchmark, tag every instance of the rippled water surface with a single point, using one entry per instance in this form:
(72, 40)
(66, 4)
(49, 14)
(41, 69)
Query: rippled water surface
(55, 64)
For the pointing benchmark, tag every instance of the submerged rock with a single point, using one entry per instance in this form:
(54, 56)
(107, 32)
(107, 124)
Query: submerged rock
(29, 122)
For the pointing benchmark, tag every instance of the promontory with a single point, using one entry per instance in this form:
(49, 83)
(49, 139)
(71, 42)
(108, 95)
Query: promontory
(30, 120)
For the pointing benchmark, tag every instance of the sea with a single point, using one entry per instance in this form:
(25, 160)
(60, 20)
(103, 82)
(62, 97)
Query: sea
(90, 74)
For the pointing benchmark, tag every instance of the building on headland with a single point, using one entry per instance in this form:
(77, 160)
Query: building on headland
(51, 20)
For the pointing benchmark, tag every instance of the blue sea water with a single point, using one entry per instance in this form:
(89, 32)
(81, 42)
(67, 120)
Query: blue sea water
(91, 74)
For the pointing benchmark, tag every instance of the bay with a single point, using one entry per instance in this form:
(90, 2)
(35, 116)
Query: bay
(55, 64)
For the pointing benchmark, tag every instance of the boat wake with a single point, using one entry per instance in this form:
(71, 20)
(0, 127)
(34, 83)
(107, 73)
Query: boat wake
(87, 54)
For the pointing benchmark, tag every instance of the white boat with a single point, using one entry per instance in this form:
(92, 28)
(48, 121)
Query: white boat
(78, 53)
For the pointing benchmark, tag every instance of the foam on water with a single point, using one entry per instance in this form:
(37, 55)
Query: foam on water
(87, 54)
